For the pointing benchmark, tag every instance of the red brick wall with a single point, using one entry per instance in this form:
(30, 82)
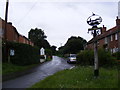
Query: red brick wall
(21, 39)
(101, 43)
(114, 43)
(12, 34)
(1, 28)
(90, 46)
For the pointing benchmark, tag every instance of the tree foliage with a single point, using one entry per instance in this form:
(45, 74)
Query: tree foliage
(105, 58)
(73, 45)
(53, 48)
(39, 38)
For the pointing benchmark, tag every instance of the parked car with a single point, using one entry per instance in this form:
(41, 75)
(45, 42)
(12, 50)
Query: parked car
(72, 58)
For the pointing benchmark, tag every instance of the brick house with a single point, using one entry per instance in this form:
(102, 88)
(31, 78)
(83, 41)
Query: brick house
(12, 34)
(108, 39)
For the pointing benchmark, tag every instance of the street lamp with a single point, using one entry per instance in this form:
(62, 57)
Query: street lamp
(93, 21)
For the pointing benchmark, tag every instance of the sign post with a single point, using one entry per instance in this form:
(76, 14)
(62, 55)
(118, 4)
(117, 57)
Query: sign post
(93, 21)
(42, 51)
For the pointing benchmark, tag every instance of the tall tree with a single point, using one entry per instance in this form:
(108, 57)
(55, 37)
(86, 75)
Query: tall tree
(73, 45)
(38, 37)
(53, 48)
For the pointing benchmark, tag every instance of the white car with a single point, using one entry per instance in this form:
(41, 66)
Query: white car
(72, 58)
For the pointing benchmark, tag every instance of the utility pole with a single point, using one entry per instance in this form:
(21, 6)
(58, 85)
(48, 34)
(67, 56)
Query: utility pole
(5, 30)
(118, 27)
(6, 17)
(118, 38)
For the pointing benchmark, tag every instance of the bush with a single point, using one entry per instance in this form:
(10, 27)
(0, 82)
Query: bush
(87, 58)
(24, 54)
(105, 58)
(117, 55)
(48, 54)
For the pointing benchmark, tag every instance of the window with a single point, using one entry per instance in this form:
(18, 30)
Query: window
(116, 36)
(106, 41)
(115, 50)
(111, 50)
(1, 32)
(111, 38)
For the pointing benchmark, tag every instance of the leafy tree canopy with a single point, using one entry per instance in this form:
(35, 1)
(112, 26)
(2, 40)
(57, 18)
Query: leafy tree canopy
(53, 48)
(38, 37)
(73, 45)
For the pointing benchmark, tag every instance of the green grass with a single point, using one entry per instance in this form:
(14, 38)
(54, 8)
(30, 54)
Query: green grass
(8, 68)
(80, 77)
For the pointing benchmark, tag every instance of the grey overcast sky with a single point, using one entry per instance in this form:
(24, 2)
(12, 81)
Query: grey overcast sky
(59, 19)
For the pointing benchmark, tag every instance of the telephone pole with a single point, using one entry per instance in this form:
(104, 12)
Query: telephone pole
(5, 31)
(118, 27)
(6, 17)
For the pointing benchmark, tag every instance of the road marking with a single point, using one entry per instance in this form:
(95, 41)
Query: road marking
(72, 67)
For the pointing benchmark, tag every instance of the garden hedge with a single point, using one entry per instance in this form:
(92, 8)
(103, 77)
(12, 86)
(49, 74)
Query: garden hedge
(105, 58)
(24, 54)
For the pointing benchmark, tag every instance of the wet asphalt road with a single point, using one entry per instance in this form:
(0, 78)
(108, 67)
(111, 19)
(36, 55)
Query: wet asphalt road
(39, 73)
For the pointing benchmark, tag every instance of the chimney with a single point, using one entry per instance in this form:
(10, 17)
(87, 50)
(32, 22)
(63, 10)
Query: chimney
(10, 23)
(103, 30)
(117, 21)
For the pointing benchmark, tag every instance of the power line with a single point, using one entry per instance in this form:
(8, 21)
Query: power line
(23, 18)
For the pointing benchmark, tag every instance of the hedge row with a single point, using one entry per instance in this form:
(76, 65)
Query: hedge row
(117, 55)
(24, 54)
(105, 58)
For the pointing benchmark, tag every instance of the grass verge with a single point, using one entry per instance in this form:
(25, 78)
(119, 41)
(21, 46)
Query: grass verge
(8, 68)
(81, 77)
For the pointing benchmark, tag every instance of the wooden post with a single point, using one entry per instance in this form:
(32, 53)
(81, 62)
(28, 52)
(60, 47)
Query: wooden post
(96, 68)
(6, 17)
(5, 30)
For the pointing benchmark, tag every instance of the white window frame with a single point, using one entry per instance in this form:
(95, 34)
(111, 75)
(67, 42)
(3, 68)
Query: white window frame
(111, 50)
(106, 40)
(116, 36)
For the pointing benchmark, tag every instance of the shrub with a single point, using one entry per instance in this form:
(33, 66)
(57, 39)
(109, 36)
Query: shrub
(105, 58)
(87, 58)
(48, 53)
(24, 54)
(117, 55)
